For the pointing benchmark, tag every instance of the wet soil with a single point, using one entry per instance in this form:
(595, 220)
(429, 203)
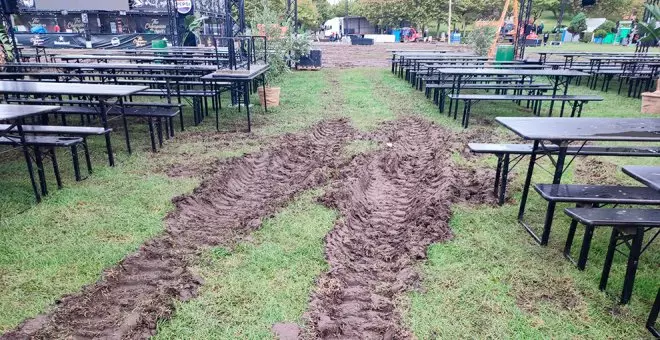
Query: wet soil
(343, 55)
(132, 296)
(591, 170)
(393, 204)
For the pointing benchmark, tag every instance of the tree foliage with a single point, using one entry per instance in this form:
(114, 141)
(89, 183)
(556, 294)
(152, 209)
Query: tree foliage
(650, 31)
(578, 23)
(481, 38)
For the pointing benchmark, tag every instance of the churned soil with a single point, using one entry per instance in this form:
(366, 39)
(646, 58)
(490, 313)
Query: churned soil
(345, 55)
(393, 204)
(132, 296)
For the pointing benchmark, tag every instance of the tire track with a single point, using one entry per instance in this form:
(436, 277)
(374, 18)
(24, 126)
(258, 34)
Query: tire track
(132, 296)
(394, 204)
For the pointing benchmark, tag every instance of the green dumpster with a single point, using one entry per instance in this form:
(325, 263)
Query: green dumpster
(504, 53)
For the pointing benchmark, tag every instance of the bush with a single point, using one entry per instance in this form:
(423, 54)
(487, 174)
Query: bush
(284, 47)
(481, 38)
(600, 33)
(608, 26)
(578, 24)
(586, 37)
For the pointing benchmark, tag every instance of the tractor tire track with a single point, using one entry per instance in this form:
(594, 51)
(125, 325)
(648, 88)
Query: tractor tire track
(132, 296)
(394, 203)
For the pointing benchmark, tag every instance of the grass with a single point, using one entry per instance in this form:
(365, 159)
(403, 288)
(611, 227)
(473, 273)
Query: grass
(260, 283)
(56, 247)
(491, 280)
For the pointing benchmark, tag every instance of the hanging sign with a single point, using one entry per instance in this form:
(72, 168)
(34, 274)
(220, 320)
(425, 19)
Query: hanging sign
(184, 6)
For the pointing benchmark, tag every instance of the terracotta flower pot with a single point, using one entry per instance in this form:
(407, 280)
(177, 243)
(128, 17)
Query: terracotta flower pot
(272, 98)
(651, 101)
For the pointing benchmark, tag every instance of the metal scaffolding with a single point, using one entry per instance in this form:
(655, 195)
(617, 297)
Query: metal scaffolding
(521, 31)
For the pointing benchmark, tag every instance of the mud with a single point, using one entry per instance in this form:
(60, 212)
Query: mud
(132, 296)
(591, 170)
(342, 55)
(393, 204)
(530, 294)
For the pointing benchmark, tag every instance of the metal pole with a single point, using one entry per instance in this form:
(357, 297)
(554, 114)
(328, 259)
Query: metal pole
(449, 24)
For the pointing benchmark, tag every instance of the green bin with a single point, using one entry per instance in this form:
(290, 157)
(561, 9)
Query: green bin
(504, 53)
(158, 44)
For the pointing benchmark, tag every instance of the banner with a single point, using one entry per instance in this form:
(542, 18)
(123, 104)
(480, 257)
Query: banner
(105, 41)
(64, 40)
(125, 41)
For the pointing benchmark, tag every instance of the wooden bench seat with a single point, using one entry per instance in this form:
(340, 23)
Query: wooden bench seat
(578, 102)
(628, 227)
(593, 196)
(505, 151)
(49, 143)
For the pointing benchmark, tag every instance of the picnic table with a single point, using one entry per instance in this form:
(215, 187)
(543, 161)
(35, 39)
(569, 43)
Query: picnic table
(115, 67)
(241, 81)
(569, 57)
(15, 115)
(103, 93)
(177, 60)
(558, 78)
(647, 175)
(561, 132)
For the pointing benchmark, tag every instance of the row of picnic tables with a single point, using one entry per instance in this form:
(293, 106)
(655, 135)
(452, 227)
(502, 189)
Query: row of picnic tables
(638, 70)
(446, 75)
(106, 88)
(561, 140)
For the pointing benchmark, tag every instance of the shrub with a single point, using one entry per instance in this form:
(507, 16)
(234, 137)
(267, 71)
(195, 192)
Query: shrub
(284, 47)
(578, 24)
(600, 33)
(481, 38)
(586, 37)
(608, 26)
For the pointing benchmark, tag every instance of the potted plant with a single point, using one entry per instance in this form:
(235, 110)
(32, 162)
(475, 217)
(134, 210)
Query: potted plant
(284, 48)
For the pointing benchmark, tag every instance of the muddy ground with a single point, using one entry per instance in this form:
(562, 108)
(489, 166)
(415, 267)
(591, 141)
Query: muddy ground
(393, 204)
(133, 295)
(342, 55)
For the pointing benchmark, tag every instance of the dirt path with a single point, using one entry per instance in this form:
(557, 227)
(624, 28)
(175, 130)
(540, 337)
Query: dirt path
(341, 55)
(133, 295)
(394, 204)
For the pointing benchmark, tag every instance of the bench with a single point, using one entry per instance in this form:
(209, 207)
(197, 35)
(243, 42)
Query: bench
(149, 111)
(628, 227)
(439, 90)
(593, 196)
(578, 102)
(75, 131)
(504, 152)
(49, 143)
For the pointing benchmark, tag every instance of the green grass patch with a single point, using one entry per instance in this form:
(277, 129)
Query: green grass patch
(54, 248)
(492, 280)
(259, 283)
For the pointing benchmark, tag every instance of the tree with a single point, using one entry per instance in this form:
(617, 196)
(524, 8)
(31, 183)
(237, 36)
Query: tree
(308, 14)
(540, 6)
(650, 31)
(578, 24)
(323, 7)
